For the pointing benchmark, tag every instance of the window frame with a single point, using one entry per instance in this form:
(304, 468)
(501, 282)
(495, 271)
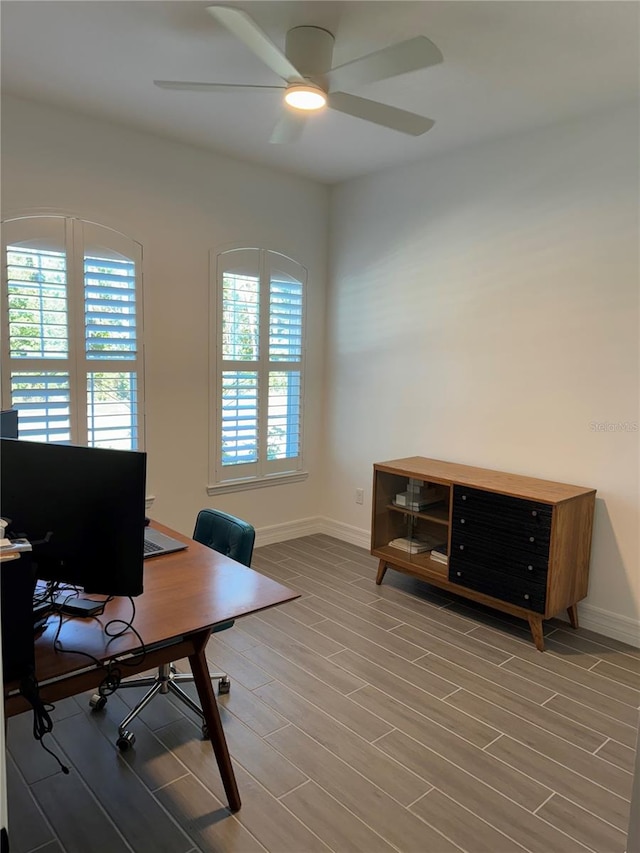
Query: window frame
(262, 472)
(78, 238)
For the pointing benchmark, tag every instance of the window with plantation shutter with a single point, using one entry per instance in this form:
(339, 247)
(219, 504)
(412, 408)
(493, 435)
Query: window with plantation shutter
(258, 324)
(71, 321)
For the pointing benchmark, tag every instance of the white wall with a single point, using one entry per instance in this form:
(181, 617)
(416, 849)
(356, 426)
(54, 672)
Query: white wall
(179, 202)
(483, 308)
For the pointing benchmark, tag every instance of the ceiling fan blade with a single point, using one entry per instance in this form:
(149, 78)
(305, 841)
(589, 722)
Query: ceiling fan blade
(243, 28)
(399, 58)
(213, 87)
(289, 127)
(378, 113)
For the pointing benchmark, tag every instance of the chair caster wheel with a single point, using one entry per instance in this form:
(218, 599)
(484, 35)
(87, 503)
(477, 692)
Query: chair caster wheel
(97, 702)
(224, 686)
(205, 732)
(125, 741)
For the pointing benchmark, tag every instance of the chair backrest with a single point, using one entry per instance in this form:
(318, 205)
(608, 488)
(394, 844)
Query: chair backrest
(226, 534)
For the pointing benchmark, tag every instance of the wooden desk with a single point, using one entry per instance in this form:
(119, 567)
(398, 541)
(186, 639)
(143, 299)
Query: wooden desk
(185, 595)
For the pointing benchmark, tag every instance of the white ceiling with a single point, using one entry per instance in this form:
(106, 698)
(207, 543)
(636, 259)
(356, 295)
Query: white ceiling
(508, 66)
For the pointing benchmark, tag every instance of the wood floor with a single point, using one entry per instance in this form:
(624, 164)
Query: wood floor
(360, 718)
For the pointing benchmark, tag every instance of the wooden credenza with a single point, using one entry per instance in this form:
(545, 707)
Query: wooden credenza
(518, 544)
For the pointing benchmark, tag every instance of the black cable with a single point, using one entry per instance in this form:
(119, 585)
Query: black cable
(42, 722)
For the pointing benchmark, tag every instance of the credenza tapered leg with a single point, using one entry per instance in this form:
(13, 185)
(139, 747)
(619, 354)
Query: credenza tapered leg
(572, 612)
(200, 670)
(535, 624)
(382, 568)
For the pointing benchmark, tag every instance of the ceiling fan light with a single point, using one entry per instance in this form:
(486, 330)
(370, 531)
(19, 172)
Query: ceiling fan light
(305, 97)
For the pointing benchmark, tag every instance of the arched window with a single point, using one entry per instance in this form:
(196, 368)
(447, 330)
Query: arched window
(72, 327)
(258, 300)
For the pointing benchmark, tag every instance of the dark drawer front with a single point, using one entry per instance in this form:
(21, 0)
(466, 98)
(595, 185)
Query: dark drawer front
(499, 585)
(494, 543)
(502, 523)
(514, 564)
(500, 511)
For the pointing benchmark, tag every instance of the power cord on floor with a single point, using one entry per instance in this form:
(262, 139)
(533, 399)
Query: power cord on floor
(42, 722)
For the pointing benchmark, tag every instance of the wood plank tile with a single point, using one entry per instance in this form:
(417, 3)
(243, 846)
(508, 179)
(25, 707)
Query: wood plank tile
(413, 711)
(618, 674)
(51, 847)
(482, 678)
(344, 742)
(479, 797)
(383, 814)
(31, 759)
(361, 557)
(516, 716)
(420, 599)
(157, 713)
(367, 665)
(561, 683)
(236, 638)
(443, 641)
(334, 588)
(325, 670)
(311, 637)
(282, 572)
(551, 662)
(361, 636)
(563, 780)
(240, 702)
(302, 612)
(591, 717)
(319, 558)
(518, 786)
(205, 819)
(577, 641)
(520, 641)
(461, 826)
(261, 814)
(600, 639)
(27, 826)
(140, 819)
(350, 612)
(616, 753)
(332, 822)
(150, 761)
(85, 824)
(322, 695)
(225, 659)
(586, 827)
(578, 759)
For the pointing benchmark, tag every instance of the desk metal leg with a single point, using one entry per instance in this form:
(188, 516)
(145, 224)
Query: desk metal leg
(200, 670)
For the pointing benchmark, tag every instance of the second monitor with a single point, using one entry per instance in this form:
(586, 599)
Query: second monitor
(83, 510)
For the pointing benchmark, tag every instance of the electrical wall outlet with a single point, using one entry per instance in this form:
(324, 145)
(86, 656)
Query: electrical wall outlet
(359, 496)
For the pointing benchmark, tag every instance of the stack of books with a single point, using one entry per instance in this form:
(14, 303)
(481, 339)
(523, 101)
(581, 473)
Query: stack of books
(417, 544)
(439, 554)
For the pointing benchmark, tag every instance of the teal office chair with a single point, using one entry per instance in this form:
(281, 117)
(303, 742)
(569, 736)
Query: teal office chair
(234, 538)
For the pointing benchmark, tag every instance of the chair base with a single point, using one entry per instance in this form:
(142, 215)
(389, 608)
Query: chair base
(167, 680)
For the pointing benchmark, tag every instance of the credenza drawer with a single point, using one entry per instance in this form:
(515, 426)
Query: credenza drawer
(513, 564)
(469, 536)
(519, 591)
(501, 511)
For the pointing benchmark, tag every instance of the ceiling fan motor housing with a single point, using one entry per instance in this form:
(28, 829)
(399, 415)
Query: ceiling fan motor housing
(310, 49)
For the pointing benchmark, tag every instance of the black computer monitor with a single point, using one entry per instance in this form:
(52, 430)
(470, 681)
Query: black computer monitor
(9, 423)
(83, 510)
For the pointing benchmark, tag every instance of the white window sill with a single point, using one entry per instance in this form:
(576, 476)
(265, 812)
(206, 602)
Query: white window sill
(262, 483)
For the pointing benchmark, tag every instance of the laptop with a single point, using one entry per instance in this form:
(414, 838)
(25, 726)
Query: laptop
(156, 543)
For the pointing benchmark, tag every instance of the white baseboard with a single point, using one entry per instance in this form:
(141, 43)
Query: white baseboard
(612, 625)
(593, 618)
(289, 530)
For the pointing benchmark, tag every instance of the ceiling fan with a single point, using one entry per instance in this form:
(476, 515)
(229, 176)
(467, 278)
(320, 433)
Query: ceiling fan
(310, 82)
